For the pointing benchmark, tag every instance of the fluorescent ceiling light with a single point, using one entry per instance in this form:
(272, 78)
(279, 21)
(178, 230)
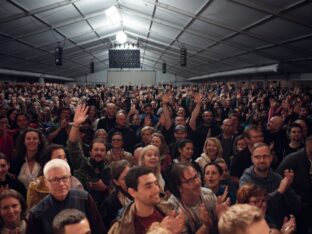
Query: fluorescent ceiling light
(113, 15)
(244, 71)
(121, 37)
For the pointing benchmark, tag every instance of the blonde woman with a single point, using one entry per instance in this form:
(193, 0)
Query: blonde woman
(101, 133)
(150, 158)
(212, 152)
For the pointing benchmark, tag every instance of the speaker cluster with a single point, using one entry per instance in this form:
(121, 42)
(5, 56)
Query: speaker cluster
(183, 56)
(164, 68)
(92, 67)
(58, 52)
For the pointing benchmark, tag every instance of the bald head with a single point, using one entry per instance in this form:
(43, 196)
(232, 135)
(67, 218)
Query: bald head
(275, 124)
(228, 127)
(111, 109)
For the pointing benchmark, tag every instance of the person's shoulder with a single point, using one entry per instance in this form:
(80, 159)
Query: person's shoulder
(240, 155)
(41, 207)
(124, 224)
(165, 207)
(245, 151)
(78, 194)
(248, 170)
(173, 200)
(276, 175)
(208, 194)
(128, 154)
(295, 156)
(103, 119)
(247, 174)
(115, 228)
(206, 191)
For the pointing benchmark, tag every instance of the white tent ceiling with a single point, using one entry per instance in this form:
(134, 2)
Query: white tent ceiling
(220, 35)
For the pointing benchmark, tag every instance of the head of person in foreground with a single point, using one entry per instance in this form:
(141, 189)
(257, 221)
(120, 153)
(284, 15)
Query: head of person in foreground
(243, 219)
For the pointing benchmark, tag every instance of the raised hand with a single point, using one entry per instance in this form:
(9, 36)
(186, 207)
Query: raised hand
(198, 98)
(222, 198)
(165, 98)
(81, 114)
(286, 181)
(133, 110)
(3, 188)
(273, 103)
(290, 176)
(221, 207)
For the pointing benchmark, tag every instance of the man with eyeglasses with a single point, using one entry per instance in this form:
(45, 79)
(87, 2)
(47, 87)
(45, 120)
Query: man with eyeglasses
(260, 173)
(242, 159)
(198, 203)
(128, 134)
(58, 178)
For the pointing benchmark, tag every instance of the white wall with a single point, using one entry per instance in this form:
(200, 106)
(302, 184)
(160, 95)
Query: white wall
(95, 78)
(134, 77)
(165, 78)
(101, 77)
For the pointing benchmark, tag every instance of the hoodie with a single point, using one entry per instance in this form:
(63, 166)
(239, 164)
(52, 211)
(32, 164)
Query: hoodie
(279, 204)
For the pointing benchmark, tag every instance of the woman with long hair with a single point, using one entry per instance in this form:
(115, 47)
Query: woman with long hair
(101, 133)
(11, 115)
(12, 212)
(25, 165)
(150, 158)
(92, 115)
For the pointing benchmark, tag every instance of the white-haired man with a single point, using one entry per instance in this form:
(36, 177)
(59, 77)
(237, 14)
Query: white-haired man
(58, 179)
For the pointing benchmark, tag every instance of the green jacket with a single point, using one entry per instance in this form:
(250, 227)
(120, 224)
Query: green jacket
(87, 170)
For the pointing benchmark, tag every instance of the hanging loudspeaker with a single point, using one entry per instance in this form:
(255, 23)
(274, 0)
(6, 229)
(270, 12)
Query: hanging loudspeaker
(58, 55)
(183, 54)
(164, 68)
(91, 67)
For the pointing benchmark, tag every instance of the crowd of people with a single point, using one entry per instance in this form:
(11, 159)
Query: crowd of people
(160, 159)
